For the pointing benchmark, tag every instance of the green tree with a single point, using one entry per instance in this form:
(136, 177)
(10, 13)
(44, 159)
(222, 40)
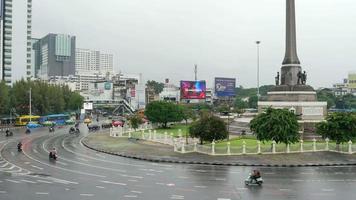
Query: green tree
(157, 86)
(240, 104)
(340, 127)
(163, 112)
(135, 121)
(252, 101)
(209, 128)
(75, 102)
(4, 98)
(279, 125)
(328, 96)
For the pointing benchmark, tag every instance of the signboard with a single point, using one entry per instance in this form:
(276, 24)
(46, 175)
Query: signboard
(107, 86)
(193, 89)
(88, 106)
(225, 87)
(352, 81)
(312, 111)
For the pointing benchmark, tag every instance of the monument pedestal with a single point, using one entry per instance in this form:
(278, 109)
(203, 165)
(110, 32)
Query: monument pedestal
(303, 103)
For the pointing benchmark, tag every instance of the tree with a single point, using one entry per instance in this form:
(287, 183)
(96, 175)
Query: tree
(4, 98)
(135, 121)
(252, 101)
(328, 96)
(340, 127)
(209, 128)
(163, 112)
(279, 125)
(240, 104)
(157, 86)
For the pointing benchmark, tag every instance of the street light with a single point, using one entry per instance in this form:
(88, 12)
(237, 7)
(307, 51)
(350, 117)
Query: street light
(258, 68)
(227, 113)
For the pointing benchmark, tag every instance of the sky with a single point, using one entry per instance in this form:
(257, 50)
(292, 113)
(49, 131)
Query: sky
(165, 38)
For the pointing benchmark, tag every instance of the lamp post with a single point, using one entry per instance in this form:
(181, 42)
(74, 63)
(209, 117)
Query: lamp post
(30, 103)
(227, 113)
(258, 68)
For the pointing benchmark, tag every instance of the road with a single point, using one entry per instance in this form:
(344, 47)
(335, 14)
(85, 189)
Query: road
(80, 173)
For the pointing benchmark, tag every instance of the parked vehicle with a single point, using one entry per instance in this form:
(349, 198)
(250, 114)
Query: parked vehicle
(94, 127)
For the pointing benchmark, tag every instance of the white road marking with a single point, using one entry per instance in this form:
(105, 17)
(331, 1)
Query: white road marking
(87, 195)
(83, 159)
(150, 174)
(132, 180)
(183, 177)
(40, 168)
(4, 165)
(174, 196)
(101, 187)
(269, 173)
(130, 196)
(336, 180)
(34, 150)
(171, 184)
(115, 183)
(223, 199)
(27, 181)
(12, 153)
(200, 186)
(138, 177)
(27, 163)
(284, 189)
(328, 190)
(12, 181)
(159, 183)
(99, 155)
(42, 193)
(137, 192)
(62, 163)
(3, 192)
(42, 181)
(220, 179)
(297, 180)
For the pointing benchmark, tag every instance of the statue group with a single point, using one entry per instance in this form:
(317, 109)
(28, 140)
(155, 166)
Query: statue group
(302, 78)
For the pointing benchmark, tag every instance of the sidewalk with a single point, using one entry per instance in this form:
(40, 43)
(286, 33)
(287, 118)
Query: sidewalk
(144, 150)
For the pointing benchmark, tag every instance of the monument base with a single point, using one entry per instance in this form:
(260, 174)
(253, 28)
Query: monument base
(309, 112)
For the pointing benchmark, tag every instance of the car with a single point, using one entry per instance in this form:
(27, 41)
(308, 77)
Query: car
(94, 127)
(106, 125)
(117, 123)
(33, 125)
(87, 121)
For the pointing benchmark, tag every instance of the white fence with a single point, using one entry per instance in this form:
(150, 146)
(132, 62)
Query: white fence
(190, 145)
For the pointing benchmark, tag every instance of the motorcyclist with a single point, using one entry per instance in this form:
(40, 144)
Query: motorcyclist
(28, 130)
(19, 146)
(53, 153)
(255, 175)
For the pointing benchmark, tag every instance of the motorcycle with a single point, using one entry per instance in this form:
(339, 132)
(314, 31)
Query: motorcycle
(73, 130)
(9, 133)
(19, 147)
(253, 181)
(51, 129)
(52, 156)
(28, 131)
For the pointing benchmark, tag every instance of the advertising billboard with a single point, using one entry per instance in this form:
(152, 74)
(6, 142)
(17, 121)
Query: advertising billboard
(193, 89)
(352, 80)
(225, 87)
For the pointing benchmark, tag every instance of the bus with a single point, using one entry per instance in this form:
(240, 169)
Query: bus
(58, 119)
(24, 119)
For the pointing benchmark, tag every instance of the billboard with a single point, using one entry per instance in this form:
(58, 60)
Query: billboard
(352, 81)
(225, 87)
(193, 89)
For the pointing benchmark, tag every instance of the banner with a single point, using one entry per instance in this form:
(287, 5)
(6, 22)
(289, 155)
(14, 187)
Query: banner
(225, 87)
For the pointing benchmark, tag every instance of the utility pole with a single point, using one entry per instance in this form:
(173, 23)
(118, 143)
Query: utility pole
(30, 103)
(258, 69)
(196, 72)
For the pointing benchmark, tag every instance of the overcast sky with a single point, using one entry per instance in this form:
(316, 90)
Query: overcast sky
(165, 38)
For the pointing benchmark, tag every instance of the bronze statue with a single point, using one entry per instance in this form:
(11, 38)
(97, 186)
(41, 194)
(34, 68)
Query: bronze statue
(304, 78)
(300, 78)
(277, 78)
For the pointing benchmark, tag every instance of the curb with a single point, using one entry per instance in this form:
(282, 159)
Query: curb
(137, 157)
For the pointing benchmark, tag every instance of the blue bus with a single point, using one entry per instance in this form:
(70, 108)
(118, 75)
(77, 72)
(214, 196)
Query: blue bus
(58, 119)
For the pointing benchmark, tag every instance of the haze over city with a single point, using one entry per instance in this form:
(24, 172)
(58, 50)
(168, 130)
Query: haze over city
(164, 39)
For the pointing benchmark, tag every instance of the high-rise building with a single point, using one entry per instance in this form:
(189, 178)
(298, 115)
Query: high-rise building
(55, 55)
(15, 40)
(93, 61)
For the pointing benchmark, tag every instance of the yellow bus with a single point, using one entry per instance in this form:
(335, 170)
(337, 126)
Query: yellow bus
(24, 119)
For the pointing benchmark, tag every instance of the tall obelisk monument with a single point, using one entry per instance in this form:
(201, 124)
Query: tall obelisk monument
(291, 63)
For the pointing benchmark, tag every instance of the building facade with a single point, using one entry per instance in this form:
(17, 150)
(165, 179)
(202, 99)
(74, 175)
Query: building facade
(15, 44)
(55, 55)
(93, 61)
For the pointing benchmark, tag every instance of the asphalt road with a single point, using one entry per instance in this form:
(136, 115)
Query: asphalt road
(80, 173)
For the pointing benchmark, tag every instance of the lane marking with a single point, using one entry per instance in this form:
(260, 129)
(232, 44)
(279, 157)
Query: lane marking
(137, 192)
(223, 199)
(34, 150)
(42, 193)
(83, 159)
(40, 168)
(101, 187)
(132, 180)
(87, 195)
(130, 196)
(27, 181)
(114, 183)
(174, 196)
(12, 153)
(3, 192)
(12, 181)
(200, 186)
(42, 181)
(328, 190)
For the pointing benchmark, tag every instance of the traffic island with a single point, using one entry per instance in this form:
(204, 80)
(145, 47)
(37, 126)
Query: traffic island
(155, 152)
